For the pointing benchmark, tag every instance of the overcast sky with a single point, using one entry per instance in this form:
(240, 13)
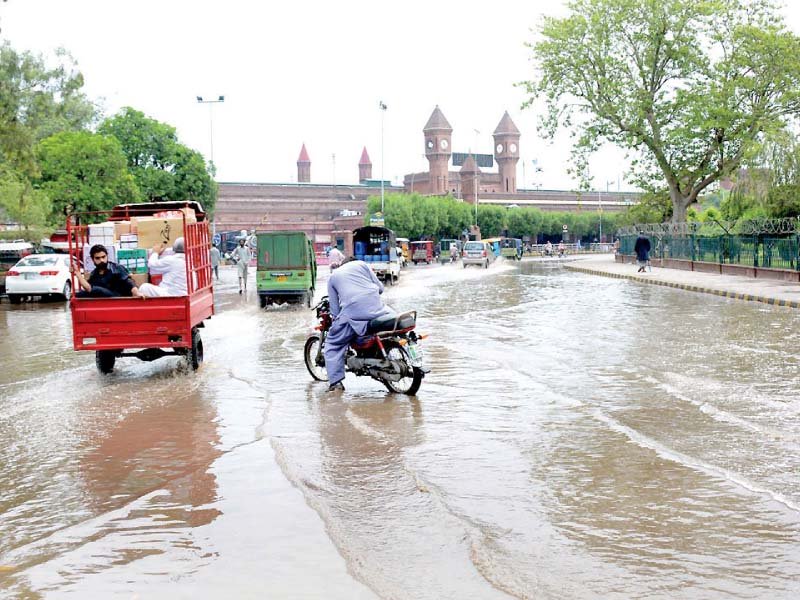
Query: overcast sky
(313, 72)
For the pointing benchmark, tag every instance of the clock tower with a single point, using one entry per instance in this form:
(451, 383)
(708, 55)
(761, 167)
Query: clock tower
(506, 153)
(437, 133)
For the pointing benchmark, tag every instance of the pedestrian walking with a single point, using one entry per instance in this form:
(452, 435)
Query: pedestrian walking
(642, 249)
(215, 258)
(241, 254)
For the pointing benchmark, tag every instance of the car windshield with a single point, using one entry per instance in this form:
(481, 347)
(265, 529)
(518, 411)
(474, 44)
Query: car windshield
(473, 246)
(38, 261)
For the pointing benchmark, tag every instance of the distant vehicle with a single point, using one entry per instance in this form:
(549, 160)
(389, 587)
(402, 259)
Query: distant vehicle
(511, 248)
(494, 244)
(444, 248)
(10, 254)
(404, 244)
(377, 246)
(477, 253)
(45, 275)
(286, 267)
(348, 213)
(422, 251)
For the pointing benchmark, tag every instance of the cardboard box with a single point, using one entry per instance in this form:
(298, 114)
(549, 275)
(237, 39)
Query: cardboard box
(134, 221)
(159, 231)
(121, 228)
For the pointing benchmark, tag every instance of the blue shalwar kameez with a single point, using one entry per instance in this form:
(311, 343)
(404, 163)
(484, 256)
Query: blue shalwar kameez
(354, 296)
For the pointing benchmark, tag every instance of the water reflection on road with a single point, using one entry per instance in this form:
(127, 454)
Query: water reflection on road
(578, 437)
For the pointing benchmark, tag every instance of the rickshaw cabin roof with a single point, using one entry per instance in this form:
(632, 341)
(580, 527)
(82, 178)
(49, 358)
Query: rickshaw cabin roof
(123, 212)
(371, 230)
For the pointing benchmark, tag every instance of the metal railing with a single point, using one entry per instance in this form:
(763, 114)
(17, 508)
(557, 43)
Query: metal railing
(761, 250)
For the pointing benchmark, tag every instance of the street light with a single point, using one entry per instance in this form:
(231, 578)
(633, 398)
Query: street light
(211, 125)
(382, 108)
(600, 207)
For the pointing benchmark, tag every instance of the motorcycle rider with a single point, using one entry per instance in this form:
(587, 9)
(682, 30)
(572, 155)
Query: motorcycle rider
(453, 253)
(354, 295)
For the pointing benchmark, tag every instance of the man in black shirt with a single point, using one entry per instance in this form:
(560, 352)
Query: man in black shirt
(108, 280)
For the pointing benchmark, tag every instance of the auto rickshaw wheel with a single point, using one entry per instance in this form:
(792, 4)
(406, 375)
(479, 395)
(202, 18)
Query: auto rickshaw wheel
(195, 354)
(105, 359)
(14, 298)
(262, 301)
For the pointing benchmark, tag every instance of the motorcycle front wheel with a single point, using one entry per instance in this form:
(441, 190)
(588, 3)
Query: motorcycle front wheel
(310, 351)
(406, 385)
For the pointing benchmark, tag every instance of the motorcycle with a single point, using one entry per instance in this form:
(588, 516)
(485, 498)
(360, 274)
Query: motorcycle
(389, 352)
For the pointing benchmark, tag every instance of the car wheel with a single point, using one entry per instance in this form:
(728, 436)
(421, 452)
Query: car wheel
(67, 290)
(486, 265)
(14, 298)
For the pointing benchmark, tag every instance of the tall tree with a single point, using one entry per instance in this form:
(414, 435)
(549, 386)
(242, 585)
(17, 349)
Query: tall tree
(164, 168)
(85, 171)
(37, 100)
(689, 86)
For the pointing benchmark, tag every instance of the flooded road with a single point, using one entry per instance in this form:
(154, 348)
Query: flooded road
(578, 437)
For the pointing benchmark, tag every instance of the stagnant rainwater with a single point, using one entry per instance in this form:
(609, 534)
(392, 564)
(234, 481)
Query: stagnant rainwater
(578, 437)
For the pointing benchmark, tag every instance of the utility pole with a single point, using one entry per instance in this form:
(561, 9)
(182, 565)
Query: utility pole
(382, 108)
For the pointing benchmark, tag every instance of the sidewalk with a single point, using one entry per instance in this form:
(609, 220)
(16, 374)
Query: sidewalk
(768, 291)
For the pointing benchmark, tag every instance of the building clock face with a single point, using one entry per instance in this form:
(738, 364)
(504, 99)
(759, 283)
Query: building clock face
(443, 144)
(512, 148)
(499, 148)
(430, 144)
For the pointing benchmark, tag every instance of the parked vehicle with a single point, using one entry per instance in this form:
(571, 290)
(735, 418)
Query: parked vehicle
(45, 275)
(422, 251)
(10, 254)
(286, 268)
(389, 353)
(377, 246)
(444, 249)
(511, 248)
(154, 327)
(477, 253)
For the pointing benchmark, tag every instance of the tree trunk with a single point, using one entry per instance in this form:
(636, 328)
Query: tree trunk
(679, 205)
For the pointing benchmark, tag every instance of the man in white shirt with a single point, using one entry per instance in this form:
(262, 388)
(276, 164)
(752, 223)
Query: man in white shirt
(241, 254)
(172, 268)
(335, 257)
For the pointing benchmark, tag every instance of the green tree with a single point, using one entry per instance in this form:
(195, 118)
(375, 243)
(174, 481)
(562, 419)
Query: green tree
(164, 169)
(21, 202)
(36, 101)
(85, 171)
(491, 220)
(690, 86)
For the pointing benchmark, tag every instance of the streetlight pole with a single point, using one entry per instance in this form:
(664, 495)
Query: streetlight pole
(382, 108)
(211, 126)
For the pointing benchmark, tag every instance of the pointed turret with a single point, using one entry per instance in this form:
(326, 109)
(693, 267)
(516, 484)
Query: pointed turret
(303, 166)
(364, 166)
(506, 125)
(437, 134)
(506, 152)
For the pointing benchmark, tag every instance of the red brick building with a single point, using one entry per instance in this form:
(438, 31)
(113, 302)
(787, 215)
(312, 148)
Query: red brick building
(319, 209)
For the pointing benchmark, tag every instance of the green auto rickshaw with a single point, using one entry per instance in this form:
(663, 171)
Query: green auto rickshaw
(286, 269)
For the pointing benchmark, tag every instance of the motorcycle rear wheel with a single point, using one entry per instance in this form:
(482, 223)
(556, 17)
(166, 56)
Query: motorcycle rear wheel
(318, 372)
(406, 385)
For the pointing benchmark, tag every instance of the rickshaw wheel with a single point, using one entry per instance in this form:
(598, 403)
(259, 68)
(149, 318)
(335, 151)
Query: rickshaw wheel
(195, 354)
(105, 359)
(262, 301)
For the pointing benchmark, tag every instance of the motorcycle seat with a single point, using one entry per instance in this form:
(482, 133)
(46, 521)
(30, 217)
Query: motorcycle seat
(387, 322)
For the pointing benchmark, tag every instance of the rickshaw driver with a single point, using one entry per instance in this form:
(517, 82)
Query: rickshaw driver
(354, 293)
(107, 280)
(171, 267)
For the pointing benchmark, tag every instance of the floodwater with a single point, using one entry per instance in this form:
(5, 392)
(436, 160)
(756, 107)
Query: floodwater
(578, 437)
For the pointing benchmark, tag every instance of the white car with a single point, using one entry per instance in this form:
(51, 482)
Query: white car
(39, 275)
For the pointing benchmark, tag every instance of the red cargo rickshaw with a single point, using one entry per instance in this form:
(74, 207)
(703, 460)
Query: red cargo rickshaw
(146, 328)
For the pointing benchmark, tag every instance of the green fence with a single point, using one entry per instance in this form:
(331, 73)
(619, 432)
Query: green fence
(749, 250)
